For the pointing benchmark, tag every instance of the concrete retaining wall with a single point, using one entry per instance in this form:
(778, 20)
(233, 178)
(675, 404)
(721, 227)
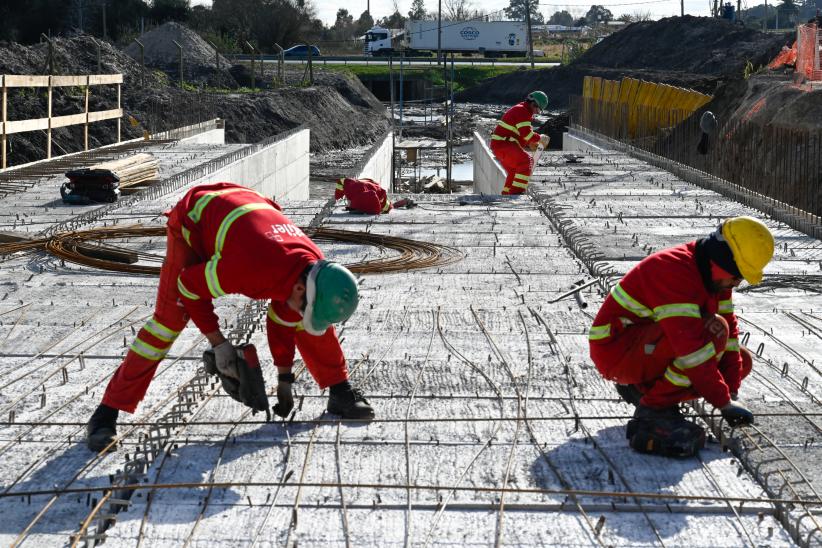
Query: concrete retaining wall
(278, 170)
(377, 163)
(576, 143)
(489, 177)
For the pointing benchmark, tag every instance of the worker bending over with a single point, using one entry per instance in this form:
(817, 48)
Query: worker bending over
(224, 239)
(512, 136)
(667, 333)
(367, 196)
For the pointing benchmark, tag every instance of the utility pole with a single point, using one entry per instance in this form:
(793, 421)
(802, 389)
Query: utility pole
(368, 7)
(439, 32)
(105, 31)
(528, 28)
(682, 8)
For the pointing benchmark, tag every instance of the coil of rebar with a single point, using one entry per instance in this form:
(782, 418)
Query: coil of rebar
(75, 247)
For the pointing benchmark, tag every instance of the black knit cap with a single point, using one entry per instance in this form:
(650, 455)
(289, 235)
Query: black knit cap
(720, 252)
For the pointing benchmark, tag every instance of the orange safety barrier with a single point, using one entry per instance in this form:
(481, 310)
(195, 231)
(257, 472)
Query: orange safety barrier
(807, 52)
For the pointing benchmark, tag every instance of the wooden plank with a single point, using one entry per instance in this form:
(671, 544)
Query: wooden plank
(64, 81)
(21, 126)
(105, 115)
(26, 81)
(68, 120)
(101, 79)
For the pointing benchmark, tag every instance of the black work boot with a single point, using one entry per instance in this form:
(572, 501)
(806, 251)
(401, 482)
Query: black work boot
(629, 393)
(102, 428)
(664, 432)
(349, 402)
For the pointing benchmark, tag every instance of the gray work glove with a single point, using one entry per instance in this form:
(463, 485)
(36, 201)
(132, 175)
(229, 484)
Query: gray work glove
(544, 140)
(285, 399)
(226, 359)
(737, 414)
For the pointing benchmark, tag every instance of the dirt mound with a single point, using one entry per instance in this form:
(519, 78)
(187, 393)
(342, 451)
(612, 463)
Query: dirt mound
(693, 52)
(697, 45)
(561, 83)
(340, 111)
(199, 58)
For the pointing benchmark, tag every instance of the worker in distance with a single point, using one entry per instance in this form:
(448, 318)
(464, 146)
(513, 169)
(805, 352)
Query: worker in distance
(223, 238)
(514, 133)
(667, 334)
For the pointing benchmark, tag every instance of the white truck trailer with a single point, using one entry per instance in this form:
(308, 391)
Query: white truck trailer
(490, 38)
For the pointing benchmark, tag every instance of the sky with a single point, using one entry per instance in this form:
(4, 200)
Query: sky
(327, 10)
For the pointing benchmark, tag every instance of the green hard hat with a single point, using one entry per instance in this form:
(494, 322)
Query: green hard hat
(539, 98)
(331, 296)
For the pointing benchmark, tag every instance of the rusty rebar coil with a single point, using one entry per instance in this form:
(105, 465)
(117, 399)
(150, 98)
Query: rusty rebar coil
(76, 247)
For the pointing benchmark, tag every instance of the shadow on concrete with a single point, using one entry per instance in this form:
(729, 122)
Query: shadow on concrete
(580, 460)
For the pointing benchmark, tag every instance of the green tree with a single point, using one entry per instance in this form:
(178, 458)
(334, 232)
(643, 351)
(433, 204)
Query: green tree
(516, 11)
(417, 11)
(598, 15)
(364, 23)
(169, 10)
(562, 18)
(393, 21)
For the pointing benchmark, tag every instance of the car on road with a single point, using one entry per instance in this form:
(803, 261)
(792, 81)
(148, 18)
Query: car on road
(301, 50)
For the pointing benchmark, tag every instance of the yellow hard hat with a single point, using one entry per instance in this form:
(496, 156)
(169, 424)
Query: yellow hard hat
(751, 244)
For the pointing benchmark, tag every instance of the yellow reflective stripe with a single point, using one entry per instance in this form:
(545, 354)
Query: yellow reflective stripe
(523, 124)
(235, 214)
(519, 185)
(696, 358)
(677, 379)
(387, 207)
(726, 307)
(340, 185)
(629, 303)
(187, 236)
(160, 331)
(212, 281)
(677, 310)
(522, 177)
(185, 292)
(732, 345)
(278, 320)
(509, 127)
(147, 351)
(599, 332)
(499, 138)
(197, 211)
(529, 136)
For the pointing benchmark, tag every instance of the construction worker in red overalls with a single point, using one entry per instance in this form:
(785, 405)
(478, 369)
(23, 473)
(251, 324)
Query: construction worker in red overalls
(224, 239)
(512, 136)
(367, 196)
(667, 333)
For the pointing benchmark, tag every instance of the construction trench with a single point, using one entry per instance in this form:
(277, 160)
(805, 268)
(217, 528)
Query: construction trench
(493, 425)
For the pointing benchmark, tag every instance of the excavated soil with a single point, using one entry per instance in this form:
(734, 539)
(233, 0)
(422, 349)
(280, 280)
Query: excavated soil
(339, 110)
(693, 52)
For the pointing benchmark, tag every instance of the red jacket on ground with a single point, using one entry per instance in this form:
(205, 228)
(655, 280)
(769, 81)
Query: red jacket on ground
(666, 287)
(364, 195)
(515, 126)
(247, 246)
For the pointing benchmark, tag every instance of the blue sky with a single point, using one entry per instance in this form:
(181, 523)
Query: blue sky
(380, 8)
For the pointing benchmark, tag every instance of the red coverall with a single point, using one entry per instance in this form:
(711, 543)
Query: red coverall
(654, 331)
(511, 136)
(364, 195)
(224, 238)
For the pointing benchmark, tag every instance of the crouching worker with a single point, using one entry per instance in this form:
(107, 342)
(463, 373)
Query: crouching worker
(367, 196)
(223, 238)
(667, 333)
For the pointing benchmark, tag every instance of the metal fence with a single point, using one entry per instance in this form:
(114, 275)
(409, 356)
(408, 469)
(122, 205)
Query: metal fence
(780, 163)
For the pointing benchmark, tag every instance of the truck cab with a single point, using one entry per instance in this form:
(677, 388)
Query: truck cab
(378, 41)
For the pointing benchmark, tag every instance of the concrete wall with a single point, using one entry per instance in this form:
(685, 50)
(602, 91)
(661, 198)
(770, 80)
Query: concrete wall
(489, 177)
(576, 143)
(377, 164)
(278, 169)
